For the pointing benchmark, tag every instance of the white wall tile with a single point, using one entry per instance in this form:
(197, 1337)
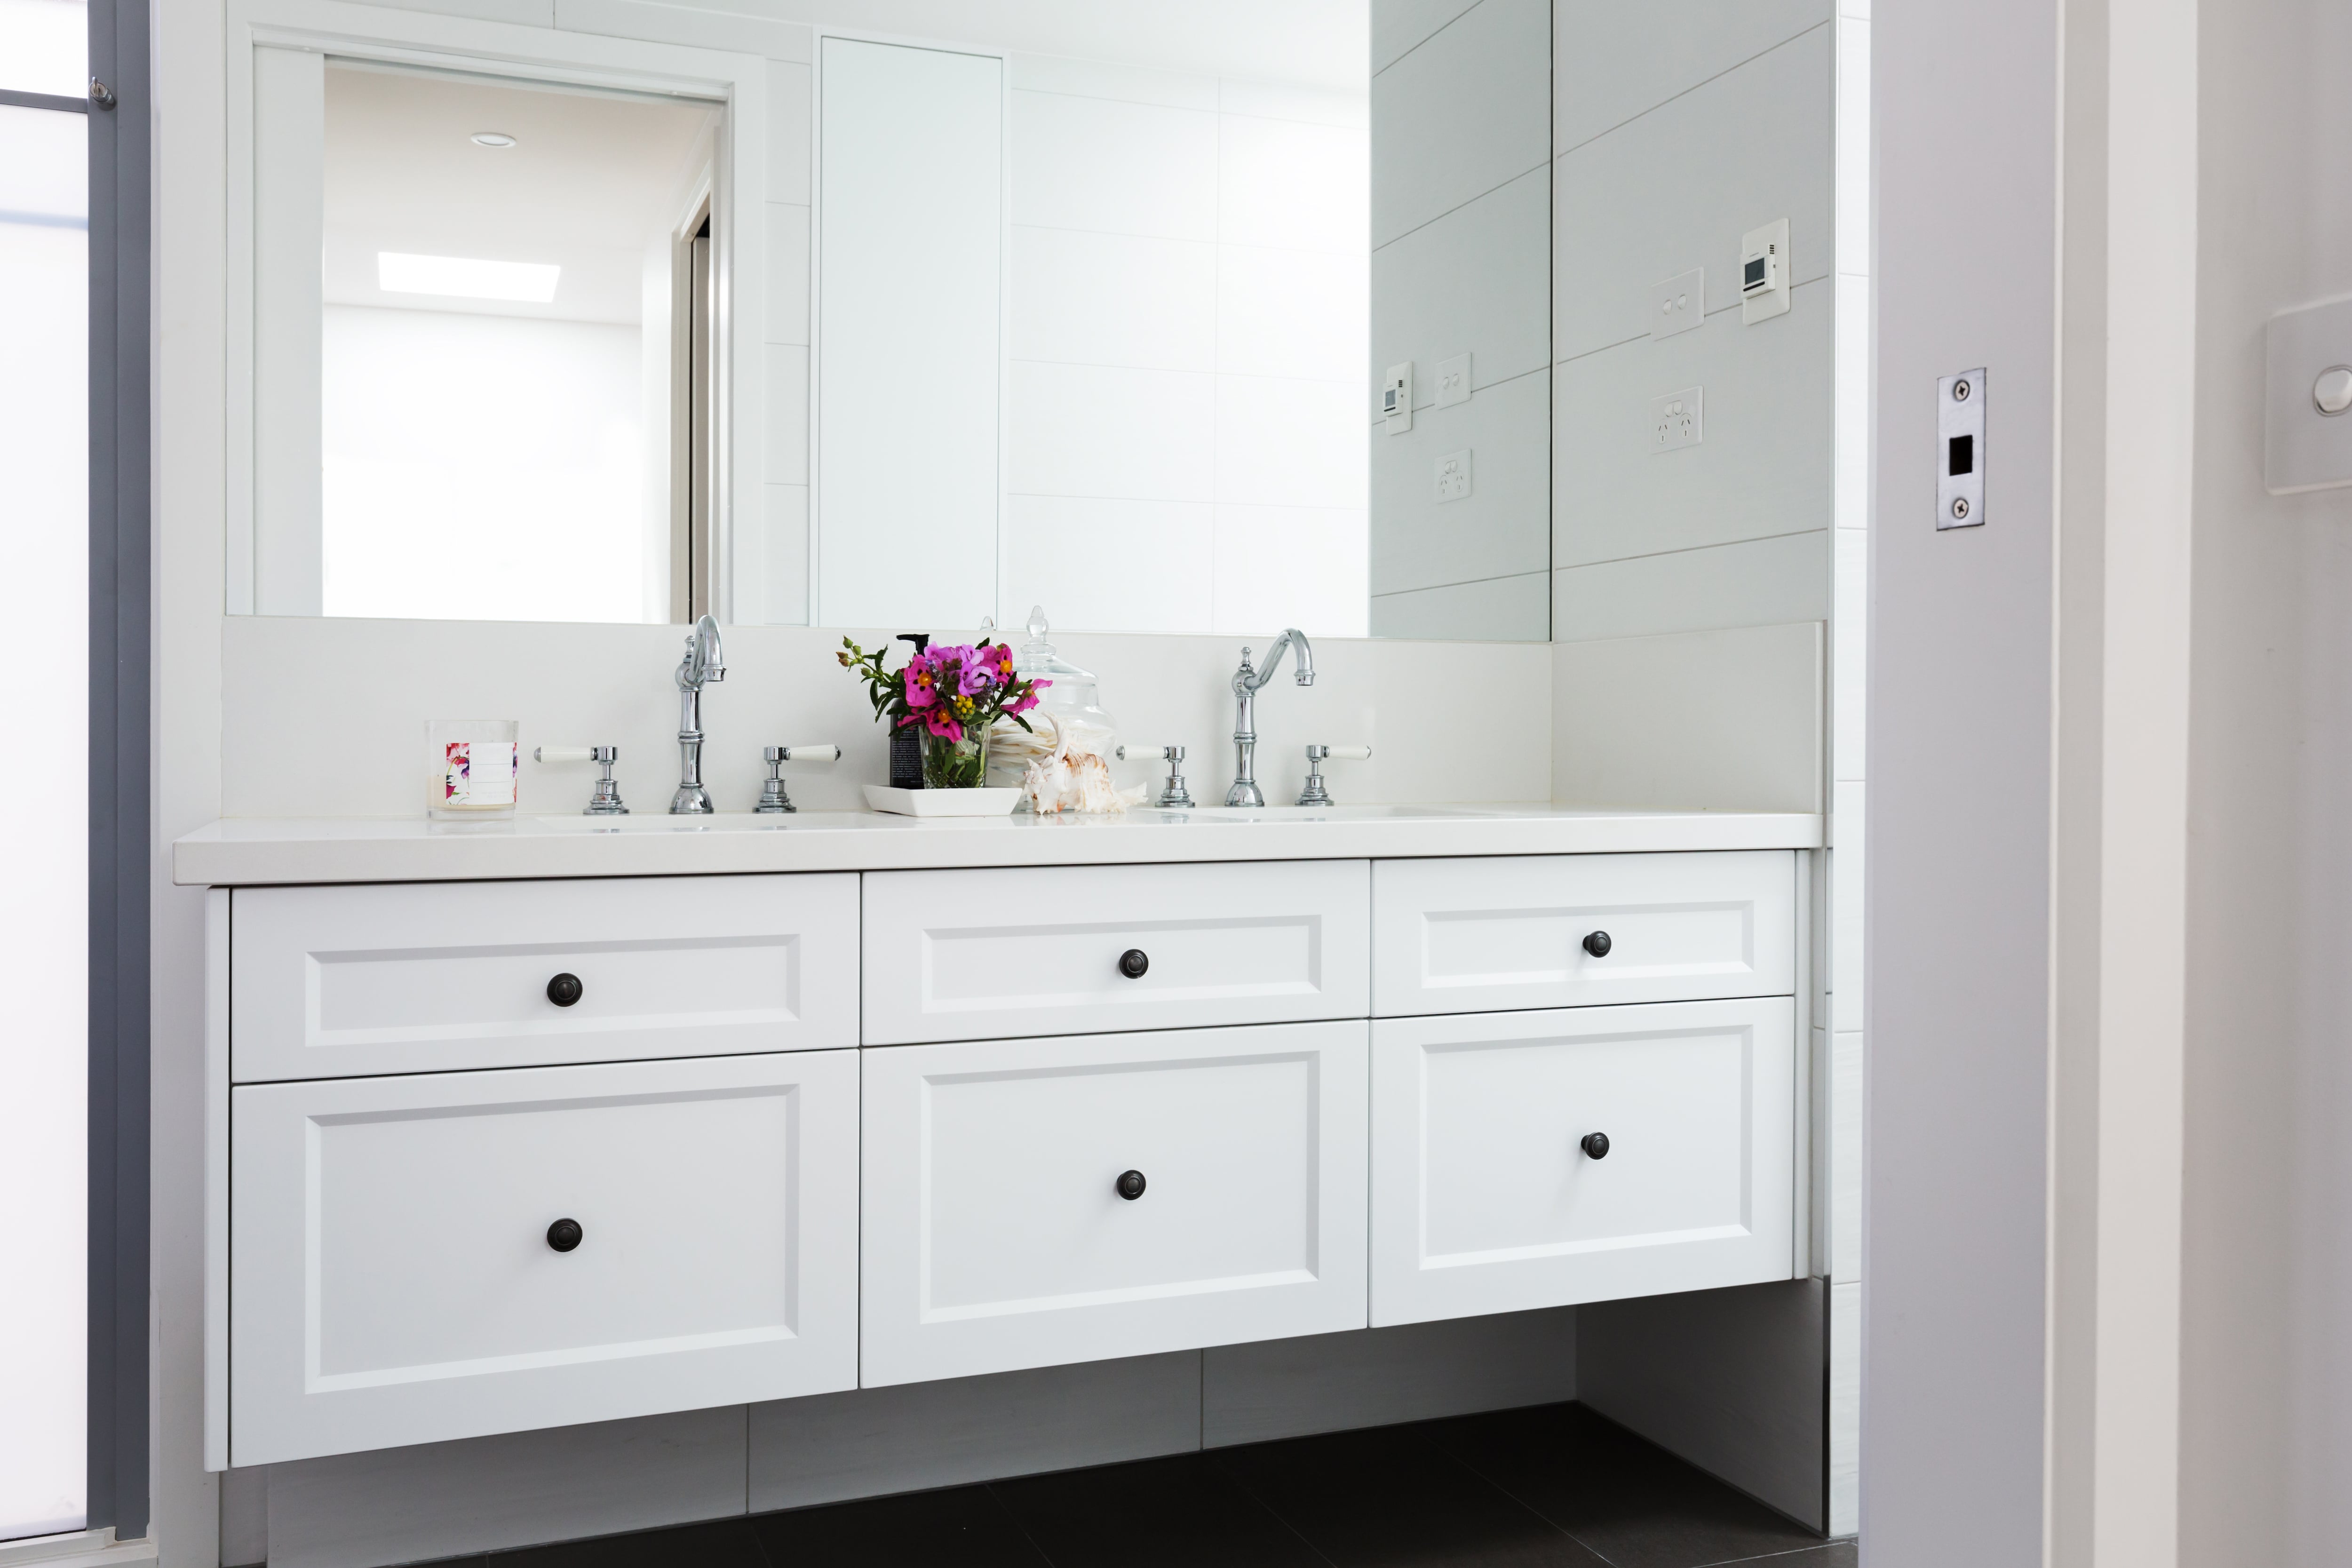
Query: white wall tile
(1459, 115)
(1287, 183)
(1617, 61)
(787, 452)
(1115, 168)
(1477, 280)
(1399, 26)
(436, 1499)
(1288, 566)
(1297, 313)
(1678, 188)
(1091, 430)
(1114, 300)
(1851, 416)
(1077, 557)
(692, 25)
(1762, 469)
(1845, 1405)
(1854, 145)
(783, 587)
(922, 1435)
(1849, 653)
(1105, 79)
(522, 12)
(1752, 582)
(788, 273)
(1846, 956)
(1290, 443)
(1498, 609)
(791, 132)
(1277, 101)
(1500, 529)
(1846, 1154)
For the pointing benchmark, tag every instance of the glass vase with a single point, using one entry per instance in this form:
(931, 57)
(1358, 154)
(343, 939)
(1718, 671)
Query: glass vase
(955, 764)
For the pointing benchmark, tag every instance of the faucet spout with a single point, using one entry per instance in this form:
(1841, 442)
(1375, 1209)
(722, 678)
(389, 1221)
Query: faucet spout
(1246, 683)
(704, 661)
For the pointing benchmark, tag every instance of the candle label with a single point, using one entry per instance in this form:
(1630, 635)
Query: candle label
(478, 772)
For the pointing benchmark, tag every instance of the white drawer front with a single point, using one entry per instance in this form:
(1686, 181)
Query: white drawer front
(1471, 935)
(423, 977)
(996, 1235)
(393, 1279)
(986, 954)
(1484, 1199)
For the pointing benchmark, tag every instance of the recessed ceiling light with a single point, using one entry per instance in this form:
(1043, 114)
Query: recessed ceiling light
(464, 278)
(493, 139)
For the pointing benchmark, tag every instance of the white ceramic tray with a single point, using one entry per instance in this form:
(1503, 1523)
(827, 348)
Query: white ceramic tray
(942, 802)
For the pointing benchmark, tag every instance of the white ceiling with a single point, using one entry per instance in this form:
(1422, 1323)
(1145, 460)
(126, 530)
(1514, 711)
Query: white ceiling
(1323, 44)
(590, 181)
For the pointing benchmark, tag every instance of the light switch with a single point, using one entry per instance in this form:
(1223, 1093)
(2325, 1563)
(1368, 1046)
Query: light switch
(2308, 399)
(1453, 476)
(1961, 450)
(1679, 303)
(1452, 381)
(1765, 272)
(1678, 419)
(1396, 398)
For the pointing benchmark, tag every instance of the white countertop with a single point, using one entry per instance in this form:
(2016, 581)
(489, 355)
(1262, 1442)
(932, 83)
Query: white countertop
(243, 852)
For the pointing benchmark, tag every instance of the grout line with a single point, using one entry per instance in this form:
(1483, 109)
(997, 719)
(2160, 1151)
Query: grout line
(1449, 212)
(1718, 310)
(1431, 406)
(1822, 1545)
(1465, 583)
(1221, 374)
(1417, 48)
(1695, 549)
(1466, 1465)
(1694, 86)
(1043, 1555)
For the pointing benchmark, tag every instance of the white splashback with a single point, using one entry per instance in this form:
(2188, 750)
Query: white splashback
(325, 718)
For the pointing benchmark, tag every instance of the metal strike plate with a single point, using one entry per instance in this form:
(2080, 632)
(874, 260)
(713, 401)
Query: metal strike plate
(1961, 450)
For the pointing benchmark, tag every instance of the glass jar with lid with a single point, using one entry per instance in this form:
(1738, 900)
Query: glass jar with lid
(1073, 702)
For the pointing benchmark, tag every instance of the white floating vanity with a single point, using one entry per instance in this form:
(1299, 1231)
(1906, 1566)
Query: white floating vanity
(527, 1124)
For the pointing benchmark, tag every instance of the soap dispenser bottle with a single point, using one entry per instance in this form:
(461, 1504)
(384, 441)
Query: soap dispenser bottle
(906, 741)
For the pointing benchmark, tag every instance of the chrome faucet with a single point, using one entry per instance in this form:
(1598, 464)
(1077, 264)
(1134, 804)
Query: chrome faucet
(1245, 684)
(704, 662)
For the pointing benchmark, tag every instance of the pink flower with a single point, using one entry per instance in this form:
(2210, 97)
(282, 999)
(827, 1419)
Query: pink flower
(922, 681)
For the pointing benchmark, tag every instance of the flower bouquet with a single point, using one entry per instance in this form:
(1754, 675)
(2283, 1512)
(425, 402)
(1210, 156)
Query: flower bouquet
(949, 696)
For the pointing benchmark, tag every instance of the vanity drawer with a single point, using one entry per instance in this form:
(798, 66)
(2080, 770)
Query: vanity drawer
(985, 954)
(426, 976)
(1473, 935)
(1484, 1200)
(393, 1279)
(996, 1235)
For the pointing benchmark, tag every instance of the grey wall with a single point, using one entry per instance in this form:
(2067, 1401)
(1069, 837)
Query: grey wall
(1461, 258)
(437, 1499)
(1959, 767)
(1676, 129)
(1734, 1381)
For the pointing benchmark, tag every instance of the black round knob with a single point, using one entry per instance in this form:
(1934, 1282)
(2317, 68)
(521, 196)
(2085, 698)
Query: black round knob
(1132, 964)
(564, 990)
(1595, 1144)
(564, 1235)
(1131, 1184)
(1597, 943)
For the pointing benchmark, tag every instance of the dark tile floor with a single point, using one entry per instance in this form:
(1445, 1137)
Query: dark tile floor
(1551, 1486)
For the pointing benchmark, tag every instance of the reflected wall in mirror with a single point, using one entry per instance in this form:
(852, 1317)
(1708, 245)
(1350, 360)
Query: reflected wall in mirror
(1082, 305)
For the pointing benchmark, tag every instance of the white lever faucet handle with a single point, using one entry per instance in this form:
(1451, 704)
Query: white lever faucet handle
(810, 753)
(1349, 753)
(562, 754)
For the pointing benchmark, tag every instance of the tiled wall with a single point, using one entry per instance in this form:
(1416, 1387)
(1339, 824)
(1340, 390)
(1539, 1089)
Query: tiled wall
(1676, 129)
(1188, 278)
(1461, 118)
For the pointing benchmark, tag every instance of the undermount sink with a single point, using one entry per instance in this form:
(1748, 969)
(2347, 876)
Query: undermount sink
(1315, 813)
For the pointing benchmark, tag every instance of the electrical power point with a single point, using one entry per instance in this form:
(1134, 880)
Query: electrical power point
(1678, 419)
(1452, 381)
(1453, 476)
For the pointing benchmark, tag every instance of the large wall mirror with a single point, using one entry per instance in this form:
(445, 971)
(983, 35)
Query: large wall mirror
(1179, 319)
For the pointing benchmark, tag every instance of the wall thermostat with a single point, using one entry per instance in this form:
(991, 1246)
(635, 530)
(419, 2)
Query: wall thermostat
(1764, 271)
(1961, 450)
(1396, 398)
